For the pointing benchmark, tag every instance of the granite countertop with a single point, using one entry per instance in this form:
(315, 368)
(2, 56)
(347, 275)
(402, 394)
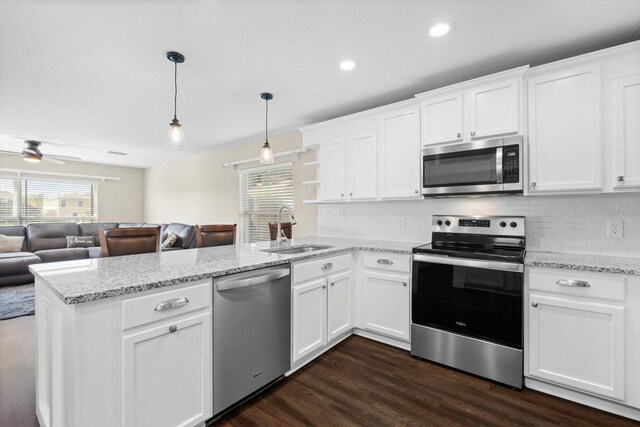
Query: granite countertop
(599, 263)
(93, 279)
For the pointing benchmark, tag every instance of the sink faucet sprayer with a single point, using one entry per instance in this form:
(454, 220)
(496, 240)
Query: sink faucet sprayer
(280, 236)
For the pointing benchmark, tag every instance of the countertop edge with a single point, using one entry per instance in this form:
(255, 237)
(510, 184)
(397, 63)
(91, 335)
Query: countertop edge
(589, 263)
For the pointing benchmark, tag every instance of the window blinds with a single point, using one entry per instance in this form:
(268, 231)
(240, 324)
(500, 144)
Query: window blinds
(24, 201)
(262, 192)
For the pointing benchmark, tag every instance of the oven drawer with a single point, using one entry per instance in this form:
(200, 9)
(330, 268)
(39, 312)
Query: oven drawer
(577, 283)
(388, 262)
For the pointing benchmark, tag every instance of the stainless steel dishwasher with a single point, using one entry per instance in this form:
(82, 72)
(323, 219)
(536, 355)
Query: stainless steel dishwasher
(251, 333)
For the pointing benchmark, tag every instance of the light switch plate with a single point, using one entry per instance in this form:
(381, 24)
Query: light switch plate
(615, 228)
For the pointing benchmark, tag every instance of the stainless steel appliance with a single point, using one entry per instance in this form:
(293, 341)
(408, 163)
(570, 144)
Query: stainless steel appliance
(467, 296)
(491, 166)
(251, 333)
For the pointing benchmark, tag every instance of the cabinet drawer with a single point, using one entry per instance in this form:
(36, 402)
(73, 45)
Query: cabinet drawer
(313, 269)
(577, 283)
(149, 308)
(388, 262)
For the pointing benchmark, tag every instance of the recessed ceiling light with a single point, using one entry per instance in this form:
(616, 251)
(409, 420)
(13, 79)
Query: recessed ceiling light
(348, 65)
(440, 29)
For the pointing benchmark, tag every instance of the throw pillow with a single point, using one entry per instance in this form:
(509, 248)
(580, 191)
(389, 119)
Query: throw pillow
(10, 244)
(81, 241)
(170, 241)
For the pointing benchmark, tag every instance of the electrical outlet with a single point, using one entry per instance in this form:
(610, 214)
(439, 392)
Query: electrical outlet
(615, 228)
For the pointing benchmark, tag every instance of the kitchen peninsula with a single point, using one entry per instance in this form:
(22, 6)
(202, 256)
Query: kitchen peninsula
(106, 357)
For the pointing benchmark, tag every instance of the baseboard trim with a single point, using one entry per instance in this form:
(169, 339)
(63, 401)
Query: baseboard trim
(584, 399)
(382, 338)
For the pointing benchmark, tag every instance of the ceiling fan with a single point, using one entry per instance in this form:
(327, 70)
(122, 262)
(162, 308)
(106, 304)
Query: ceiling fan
(31, 153)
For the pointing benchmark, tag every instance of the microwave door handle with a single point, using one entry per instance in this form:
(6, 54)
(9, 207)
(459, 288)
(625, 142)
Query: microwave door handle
(499, 165)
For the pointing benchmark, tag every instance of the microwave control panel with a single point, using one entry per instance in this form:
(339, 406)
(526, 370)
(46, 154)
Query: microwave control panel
(510, 164)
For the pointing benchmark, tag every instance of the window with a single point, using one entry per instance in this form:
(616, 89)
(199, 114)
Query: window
(26, 200)
(263, 191)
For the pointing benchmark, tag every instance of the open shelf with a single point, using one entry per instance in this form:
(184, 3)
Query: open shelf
(314, 182)
(315, 163)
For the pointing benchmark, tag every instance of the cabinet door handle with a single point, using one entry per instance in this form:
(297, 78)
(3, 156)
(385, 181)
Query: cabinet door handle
(341, 194)
(416, 191)
(621, 178)
(326, 266)
(351, 194)
(172, 329)
(332, 283)
(574, 283)
(171, 303)
(533, 184)
(473, 133)
(324, 286)
(385, 261)
(404, 283)
(534, 304)
(459, 135)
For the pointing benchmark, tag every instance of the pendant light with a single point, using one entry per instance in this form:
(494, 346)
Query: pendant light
(176, 134)
(266, 155)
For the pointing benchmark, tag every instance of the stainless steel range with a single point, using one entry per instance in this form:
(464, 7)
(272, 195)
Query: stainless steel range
(467, 296)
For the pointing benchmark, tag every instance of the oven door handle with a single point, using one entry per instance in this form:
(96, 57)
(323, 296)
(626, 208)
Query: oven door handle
(464, 262)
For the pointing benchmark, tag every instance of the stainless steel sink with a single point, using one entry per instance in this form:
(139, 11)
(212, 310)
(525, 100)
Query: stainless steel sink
(296, 249)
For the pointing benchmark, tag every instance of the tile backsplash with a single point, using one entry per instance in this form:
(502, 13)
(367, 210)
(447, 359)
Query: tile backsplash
(570, 224)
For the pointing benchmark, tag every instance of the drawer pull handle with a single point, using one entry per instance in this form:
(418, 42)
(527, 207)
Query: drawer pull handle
(326, 266)
(534, 304)
(172, 303)
(404, 283)
(385, 261)
(574, 283)
(172, 329)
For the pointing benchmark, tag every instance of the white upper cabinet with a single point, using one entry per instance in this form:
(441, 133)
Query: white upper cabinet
(622, 122)
(565, 129)
(442, 119)
(400, 154)
(362, 171)
(484, 108)
(494, 109)
(333, 169)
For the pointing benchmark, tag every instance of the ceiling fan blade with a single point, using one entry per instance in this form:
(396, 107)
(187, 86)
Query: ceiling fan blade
(70, 158)
(10, 153)
(52, 160)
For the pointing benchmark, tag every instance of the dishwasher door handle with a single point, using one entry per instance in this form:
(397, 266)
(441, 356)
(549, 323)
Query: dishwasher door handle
(229, 285)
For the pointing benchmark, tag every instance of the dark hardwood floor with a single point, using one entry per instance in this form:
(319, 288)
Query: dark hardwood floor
(360, 382)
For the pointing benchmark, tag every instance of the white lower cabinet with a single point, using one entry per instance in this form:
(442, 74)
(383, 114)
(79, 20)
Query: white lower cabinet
(581, 337)
(386, 303)
(309, 317)
(339, 316)
(322, 304)
(578, 344)
(164, 373)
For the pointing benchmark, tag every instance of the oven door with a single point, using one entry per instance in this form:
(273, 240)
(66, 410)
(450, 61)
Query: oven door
(476, 298)
(463, 168)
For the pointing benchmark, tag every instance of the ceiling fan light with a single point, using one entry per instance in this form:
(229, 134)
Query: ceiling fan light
(176, 135)
(32, 158)
(266, 155)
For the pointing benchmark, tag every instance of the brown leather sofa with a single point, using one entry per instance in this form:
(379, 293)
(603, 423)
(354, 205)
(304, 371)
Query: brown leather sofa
(47, 242)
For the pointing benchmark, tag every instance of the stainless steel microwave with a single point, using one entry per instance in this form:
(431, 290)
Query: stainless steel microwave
(491, 166)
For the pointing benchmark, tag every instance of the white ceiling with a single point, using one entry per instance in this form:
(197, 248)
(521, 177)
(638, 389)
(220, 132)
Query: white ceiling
(93, 74)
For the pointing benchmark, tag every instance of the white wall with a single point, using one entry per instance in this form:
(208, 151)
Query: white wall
(196, 190)
(118, 201)
(569, 224)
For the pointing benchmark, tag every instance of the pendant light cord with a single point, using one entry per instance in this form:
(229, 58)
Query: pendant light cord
(175, 93)
(266, 121)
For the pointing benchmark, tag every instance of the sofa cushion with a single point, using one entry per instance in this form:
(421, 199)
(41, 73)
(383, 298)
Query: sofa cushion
(17, 263)
(186, 234)
(50, 235)
(10, 244)
(91, 229)
(15, 230)
(55, 255)
(81, 241)
(136, 224)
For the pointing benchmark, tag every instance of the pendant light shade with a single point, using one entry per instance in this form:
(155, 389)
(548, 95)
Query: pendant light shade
(266, 155)
(175, 136)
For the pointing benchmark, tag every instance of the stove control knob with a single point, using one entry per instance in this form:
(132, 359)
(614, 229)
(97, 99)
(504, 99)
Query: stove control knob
(439, 222)
(513, 224)
(503, 224)
(447, 223)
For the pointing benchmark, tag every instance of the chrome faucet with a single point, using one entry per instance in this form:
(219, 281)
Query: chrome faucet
(280, 236)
